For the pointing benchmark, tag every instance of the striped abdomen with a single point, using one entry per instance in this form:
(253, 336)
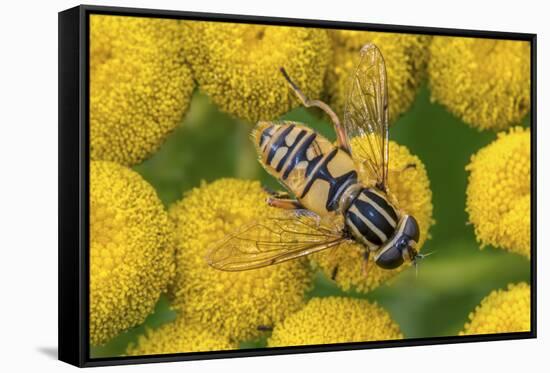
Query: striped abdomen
(371, 218)
(308, 164)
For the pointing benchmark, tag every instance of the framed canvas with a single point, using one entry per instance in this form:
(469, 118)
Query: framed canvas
(233, 186)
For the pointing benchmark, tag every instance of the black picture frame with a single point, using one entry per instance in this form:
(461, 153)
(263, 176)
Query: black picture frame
(74, 160)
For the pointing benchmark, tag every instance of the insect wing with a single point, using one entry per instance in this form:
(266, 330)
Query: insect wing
(273, 240)
(366, 114)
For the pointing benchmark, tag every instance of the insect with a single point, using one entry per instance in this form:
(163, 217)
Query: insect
(330, 206)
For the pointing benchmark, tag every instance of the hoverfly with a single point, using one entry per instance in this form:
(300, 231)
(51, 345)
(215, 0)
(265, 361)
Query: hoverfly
(331, 205)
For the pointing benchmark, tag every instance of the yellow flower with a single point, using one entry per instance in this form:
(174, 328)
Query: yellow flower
(177, 337)
(335, 320)
(233, 303)
(139, 86)
(410, 188)
(502, 311)
(131, 250)
(484, 82)
(237, 65)
(498, 194)
(405, 57)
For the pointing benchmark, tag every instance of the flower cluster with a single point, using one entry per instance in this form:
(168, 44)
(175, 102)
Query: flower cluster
(405, 57)
(410, 188)
(499, 195)
(502, 311)
(237, 65)
(233, 303)
(177, 337)
(335, 320)
(485, 82)
(139, 86)
(131, 250)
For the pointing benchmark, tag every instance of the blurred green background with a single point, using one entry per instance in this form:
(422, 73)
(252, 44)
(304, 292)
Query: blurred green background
(209, 145)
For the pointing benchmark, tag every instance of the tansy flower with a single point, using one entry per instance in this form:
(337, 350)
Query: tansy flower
(131, 250)
(233, 303)
(177, 337)
(484, 82)
(498, 194)
(335, 320)
(502, 311)
(237, 65)
(405, 57)
(139, 85)
(410, 189)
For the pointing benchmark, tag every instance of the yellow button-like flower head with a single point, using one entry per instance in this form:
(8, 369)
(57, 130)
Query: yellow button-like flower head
(410, 189)
(131, 250)
(498, 194)
(177, 337)
(502, 311)
(233, 303)
(237, 65)
(405, 57)
(140, 86)
(335, 320)
(484, 82)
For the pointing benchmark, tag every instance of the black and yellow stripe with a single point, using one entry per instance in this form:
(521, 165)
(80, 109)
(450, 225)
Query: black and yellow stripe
(308, 164)
(371, 218)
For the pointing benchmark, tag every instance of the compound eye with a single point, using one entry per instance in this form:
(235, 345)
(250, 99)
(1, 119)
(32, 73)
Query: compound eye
(391, 258)
(411, 228)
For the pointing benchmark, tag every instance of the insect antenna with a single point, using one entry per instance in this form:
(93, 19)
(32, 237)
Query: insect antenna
(418, 258)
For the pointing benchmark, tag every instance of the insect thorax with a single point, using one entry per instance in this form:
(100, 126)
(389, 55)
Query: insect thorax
(371, 218)
(306, 163)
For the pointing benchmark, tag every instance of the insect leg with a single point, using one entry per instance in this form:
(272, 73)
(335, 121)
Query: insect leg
(334, 273)
(365, 266)
(275, 193)
(394, 173)
(397, 172)
(338, 128)
(284, 203)
(264, 328)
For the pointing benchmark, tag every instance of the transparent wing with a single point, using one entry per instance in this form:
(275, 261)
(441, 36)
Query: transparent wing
(366, 114)
(274, 240)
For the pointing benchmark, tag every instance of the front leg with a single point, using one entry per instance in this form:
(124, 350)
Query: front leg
(284, 203)
(395, 174)
(365, 265)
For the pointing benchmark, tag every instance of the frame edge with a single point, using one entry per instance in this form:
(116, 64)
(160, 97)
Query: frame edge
(72, 333)
(69, 245)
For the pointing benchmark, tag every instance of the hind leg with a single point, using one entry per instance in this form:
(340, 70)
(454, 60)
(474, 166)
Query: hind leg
(338, 128)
